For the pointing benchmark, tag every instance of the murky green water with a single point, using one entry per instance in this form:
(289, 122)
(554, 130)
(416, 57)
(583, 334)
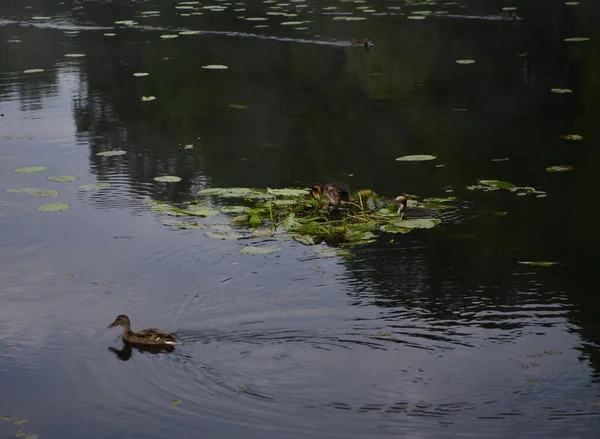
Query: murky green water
(436, 333)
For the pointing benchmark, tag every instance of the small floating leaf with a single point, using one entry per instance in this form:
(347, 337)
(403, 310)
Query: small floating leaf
(465, 61)
(21, 422)
(534, 355)
(416, 158)
(35, 192)
(148, 98)
(53, 207)
(251, 250)
(30, 169)
(560, 168)
(233, 192)
(75, 55)
(93, 186)
(229, 236)
(33, 71)
(111, 153)
(169, 36)
(571, 3)
(32, 436)
(416, 17)
(287, 192)
(215, 67)
(576, 39)
(62, 178)
(126, 22)
(189, 32)
(539, 263)
(140, 74)
(304, 239)
(238, 106)
(561, 90)
(177, 402)
(509, 8)
(168, 179)
(235, 209)
(420, 223)
(551, 352)
(572, 137)
(109, 34)
(497, 183)
(20, 433)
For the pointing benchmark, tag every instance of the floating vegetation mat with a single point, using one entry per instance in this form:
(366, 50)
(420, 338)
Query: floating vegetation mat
(295, 214)
(496, 185)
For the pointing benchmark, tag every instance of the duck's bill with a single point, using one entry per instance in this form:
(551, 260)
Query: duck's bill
(112, 325)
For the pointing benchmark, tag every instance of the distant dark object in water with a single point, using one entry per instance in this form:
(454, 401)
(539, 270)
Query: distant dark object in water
(512, 16)
(151, 336)
(366, 42)
(336, 192)
(414, 212)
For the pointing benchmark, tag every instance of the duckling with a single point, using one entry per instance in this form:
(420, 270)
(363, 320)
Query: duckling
(336, 192)
(151, 336)
(366, 42)
(414, 212)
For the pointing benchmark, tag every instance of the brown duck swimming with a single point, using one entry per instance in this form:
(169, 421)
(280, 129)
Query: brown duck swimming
(414, 212)
(366, 42)
(151, 336)
(335, 192)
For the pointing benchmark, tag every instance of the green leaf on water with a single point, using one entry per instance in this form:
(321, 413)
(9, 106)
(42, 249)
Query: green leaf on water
(416, 17)
(560, 168)
(111, 153)
(304, 239)
(215, 67)
(539, 263)
(177, 402)
(141, 74)
(21, 422)
(416, 158)
(5, 418)
(20, 433)
(75, 55)
(29, 169)
(333, 252)
(561, 90)
(290, 223)
(189, 32)
(418, 223)
(62, 178)
(439, 200)
(35, 192)
(394, 228)
(251, 250)
(169, 36)
(497, 183)
(233, 192)
(148, 98)
(254, 220)
(571, 3)
(53, 207)
(235, 209)
(287, 192)
(93, 186)
(32, 436)
(183, 225)
(465, 61)
(534, 355)
(576, 39)
(575, 137)
(238, 106)
(33, 71)
(228, 236)
(168, 179)
(509, 8)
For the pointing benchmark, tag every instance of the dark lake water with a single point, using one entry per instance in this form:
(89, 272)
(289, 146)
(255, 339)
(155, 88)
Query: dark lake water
(436, 333)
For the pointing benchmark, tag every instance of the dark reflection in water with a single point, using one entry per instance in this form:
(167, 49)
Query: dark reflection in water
(127, 350)
(436, 333)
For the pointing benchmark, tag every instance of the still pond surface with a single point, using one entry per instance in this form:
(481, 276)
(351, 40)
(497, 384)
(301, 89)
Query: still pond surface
(435, 333)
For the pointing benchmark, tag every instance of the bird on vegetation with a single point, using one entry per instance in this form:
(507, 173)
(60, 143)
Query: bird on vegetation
(335, 192)
(414, 212)
(151, 336)
(365, 42)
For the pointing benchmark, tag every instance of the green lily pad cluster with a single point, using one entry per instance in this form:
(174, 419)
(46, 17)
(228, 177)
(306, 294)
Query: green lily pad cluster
(20, 432)
(496, 185)
(293, 213)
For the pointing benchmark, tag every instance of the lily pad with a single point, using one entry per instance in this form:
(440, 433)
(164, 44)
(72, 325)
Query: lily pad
(184, 225)
(509, 8)
(418, 223)
(465, 61)
(21, 422)
(169, 36)
(233, 192)
(93, 186)
(215, 67)
(141, 74)
(30, 169)
(33, 71)
(35, 192)
(287, 192)
(394, 228)
(111, 153)
(539, 263)
(5, 418)
(235, 209)
(229, 236)
(148, 98)
(53, 207)
(333, 252)
(416, 17)
(189, 32)
(576, 137)
(560, 168)
(497, 183)
(416, 158)
(251, 250)
(20, 433)
(75, 55)
(238, 106)
(177, 402)
(168, 179)
(576, 39)
(304, 239)
(561, 90)
(62, 178)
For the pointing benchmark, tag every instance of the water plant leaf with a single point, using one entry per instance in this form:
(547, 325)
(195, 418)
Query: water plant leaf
(53, 207)
(215, 67)
(416, 158)
(539, 263)
(111, 153)
(33, 71)
(184, 225)
(75, 55)
(251, 250)
(229, 236)
(148, 98)
(45, 193)
(189, 32)
(290, 223)
(169, 36)
(235, 209)
(62, 178)
(232, 192)
(238, 106)
(552, 352)
(560, 168)
(93, 186)
(20, 422)
(30, 169)
(509, 8)
(5, 418)
(416, 17)
(177, 402)
(575, 137)
(576, 39)
(465, 61)
(20, 433)
(168, 179)
(287, 192)
(394, 228)
(561, 90)
(419, 223)
(141, 74)
(333, 252)
(439, 200)
(304, 239)
(254, 220)
(497, 183)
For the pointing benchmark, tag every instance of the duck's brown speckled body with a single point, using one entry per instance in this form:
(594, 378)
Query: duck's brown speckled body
(335, 192)
(150, 336)
(365, 42)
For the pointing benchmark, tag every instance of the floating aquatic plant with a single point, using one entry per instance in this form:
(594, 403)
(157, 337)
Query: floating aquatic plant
(93, 186)
(416, 158)
(465, 61)
(62, 178)
(35, 192)
(252, 250)
(168, 179)
(576, 137)
(560, 168)
(30, 169)
(215, 67)
(53, 207)
(111, 153)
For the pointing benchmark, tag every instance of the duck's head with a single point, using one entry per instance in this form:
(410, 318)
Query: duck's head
(367, 42)
(402, 200)
(317, 190)
(120, 320)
